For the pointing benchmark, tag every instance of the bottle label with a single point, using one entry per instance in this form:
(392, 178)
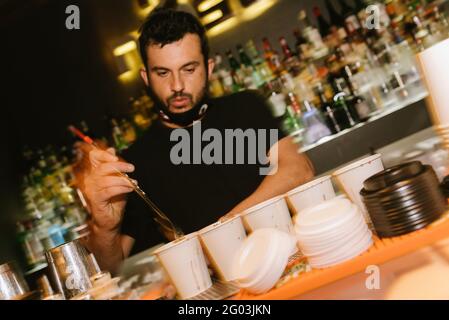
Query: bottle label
(227, 81)
(315, 39)
(342, 33)
(363, 109)
(304, 50)
(275, 61)
(352, 24)
(278, 105)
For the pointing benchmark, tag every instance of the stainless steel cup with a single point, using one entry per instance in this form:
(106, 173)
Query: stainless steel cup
(70, 268)
(12, 283)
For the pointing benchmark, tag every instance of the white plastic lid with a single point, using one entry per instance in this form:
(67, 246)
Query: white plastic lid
(256, 250)
(323, 213)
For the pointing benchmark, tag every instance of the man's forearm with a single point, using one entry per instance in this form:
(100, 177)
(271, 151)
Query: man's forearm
(107, 248)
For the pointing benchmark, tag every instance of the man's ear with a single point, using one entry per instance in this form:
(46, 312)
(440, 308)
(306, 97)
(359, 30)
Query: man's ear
(144, 75)
(210, 67)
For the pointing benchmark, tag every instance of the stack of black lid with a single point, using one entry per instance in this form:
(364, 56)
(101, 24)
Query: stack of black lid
(403, 198)
(445, 186)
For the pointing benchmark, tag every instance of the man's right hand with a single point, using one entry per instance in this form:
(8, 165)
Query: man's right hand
(105, 190)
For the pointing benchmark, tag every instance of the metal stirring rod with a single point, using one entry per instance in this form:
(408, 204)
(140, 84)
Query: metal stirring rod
(162, 219)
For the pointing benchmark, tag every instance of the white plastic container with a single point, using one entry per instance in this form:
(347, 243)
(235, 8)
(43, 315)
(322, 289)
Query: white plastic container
(272, 213)
(351, 177)
(311, 193)
(220, 242)
(184, 261)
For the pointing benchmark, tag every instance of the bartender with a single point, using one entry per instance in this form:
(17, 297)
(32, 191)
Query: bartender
(179, 176)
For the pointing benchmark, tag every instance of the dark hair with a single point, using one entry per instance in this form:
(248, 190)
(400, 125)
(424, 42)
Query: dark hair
(164, 26)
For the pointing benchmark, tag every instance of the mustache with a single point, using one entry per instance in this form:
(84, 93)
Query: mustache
(178, 95)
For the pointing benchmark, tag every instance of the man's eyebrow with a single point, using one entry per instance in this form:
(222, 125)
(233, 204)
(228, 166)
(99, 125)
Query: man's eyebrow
(188, 64)
(157, 68)
(191, 63)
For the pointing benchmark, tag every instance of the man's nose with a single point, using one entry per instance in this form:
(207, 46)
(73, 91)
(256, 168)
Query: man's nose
(177, 83)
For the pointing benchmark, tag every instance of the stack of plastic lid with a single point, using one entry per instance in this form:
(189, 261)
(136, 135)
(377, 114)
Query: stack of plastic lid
(262, 258)
(332, 232)
(403, 198)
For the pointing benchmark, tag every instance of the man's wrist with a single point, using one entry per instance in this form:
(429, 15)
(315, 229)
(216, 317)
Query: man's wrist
(102, 232)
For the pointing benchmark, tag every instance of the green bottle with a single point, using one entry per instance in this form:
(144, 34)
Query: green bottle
(250, 69)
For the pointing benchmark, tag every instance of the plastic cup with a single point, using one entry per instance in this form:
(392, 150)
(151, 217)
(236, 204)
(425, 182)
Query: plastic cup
(435, 69)
(185, 264)
(351, 177)
(221, 241)
(311, 194)
(272, 213)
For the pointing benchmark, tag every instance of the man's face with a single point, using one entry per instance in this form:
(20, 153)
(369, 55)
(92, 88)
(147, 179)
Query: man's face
(177, 73)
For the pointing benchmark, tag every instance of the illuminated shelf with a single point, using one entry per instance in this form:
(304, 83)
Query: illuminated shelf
(402, 104)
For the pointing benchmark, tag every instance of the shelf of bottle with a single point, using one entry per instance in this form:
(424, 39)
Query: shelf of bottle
(421, 94)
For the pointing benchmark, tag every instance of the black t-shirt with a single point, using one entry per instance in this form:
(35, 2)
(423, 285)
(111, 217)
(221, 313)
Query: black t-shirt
(195, 195)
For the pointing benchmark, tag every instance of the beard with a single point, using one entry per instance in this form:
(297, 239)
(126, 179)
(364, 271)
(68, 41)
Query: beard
(185, 118)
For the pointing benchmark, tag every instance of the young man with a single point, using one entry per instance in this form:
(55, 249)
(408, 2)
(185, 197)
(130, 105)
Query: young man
(192, 192)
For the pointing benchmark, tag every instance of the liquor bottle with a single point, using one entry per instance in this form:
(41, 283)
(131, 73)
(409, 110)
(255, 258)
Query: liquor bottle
(117, 136)
(323, 25)
(290, 123)
(336, 62)
(215, 86)
(341, 111)
(313, 37)
(315, 129)
(341, 85)
(359, 6)
(249, 69)
(328, 111)
(362, 106)
(293, 103)
(244, 58)
(236, 71)
(261, 65)
(352, 23)
(420, 33)
(229, 83)
(337, 22)
(276, 101)
(42, 164)
(272, 57)
(30, 244)
(215, 81)
(129, 132)
(441, 23)
(302, 46)
(290, 61)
